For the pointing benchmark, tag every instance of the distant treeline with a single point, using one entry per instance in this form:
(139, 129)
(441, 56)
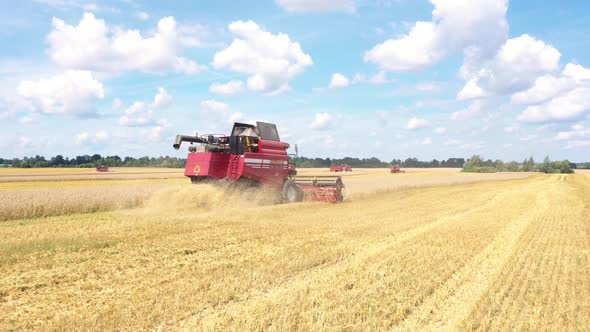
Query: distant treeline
(474, 164)
(477, 164)
(95, 160)
(304, 162)
(173, 162)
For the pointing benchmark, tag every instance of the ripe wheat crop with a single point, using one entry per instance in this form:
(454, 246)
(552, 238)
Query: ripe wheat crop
(491, 255)
(43, 199)
(81, 174)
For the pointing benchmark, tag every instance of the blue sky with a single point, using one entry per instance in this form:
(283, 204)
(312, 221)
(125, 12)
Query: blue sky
(384, 78)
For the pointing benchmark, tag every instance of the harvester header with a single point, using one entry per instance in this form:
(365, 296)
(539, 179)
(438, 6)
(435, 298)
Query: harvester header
(254, 157)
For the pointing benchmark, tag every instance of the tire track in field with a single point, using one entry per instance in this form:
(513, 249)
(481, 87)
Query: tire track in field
(383, 245)
(367, 257)
(139, 240)
(449, 305)
(545, 285)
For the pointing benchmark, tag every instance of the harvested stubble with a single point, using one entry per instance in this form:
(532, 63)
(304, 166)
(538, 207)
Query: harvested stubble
(367, 184)
(448, 257)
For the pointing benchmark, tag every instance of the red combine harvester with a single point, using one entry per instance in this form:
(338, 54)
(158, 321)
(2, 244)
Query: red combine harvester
(102, 169)
(341, 168)
(254, 157)
(395, 169)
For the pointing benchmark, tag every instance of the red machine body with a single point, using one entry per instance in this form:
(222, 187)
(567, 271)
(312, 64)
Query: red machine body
(268, 166)
(341, 168)
(395, 169)
(254, 156)
(102, 169)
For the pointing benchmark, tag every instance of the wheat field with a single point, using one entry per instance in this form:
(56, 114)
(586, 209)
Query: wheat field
(410, 252)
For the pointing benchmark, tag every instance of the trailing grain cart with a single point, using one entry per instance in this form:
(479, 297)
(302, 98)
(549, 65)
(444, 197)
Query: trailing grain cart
(253, 157)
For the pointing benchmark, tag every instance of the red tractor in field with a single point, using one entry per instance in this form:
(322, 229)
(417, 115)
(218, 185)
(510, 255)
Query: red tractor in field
(252, 157)
(341, 168)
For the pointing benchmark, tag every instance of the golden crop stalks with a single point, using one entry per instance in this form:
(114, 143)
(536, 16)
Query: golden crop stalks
(493, 255)
(31, 200)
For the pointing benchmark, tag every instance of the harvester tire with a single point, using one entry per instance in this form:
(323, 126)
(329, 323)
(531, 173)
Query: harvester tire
(291, 193)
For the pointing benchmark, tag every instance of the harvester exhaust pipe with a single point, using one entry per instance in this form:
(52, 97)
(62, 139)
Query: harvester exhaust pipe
(185, 138)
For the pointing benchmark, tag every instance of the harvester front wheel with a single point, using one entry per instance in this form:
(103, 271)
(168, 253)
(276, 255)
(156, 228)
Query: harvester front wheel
(291, 192)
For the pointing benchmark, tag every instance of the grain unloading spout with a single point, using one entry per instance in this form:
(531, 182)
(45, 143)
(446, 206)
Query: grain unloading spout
(185, 138)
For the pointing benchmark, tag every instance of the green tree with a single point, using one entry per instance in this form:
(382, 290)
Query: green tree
(473, 163)
(512, 166)
(58, 160)
(476, 164)
(563, 166)
(531, 162)
(546, 166)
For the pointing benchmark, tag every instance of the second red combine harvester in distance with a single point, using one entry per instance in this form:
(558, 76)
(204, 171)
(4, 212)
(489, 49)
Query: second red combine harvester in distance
(252, 157)
(341, 168)
(396, 169)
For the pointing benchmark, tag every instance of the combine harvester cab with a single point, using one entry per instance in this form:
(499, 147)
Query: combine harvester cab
(396, 169)
(254, 157)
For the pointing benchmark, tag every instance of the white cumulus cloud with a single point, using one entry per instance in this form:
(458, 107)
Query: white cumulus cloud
(544, 88)
(379, 78)
(307, 6)
(26, 120)
(417, 123)
(87, 138)
(143, 16)
(24, 142)
(73, 92)
(515, 67)
(440, 130)
(475, 26)
(162, 99)
(214, 106)
(576, 131)
(228, 89)
(82, 138)
(141, 114)
(271, 60)
(568, 106)
(137, 115)
(322, 121)
(510, 130)
(101, 135)
(557, 98)
(117, 103)
(474, 109)
(338, 81)
(426, 141)
(220, 110)
(92, 45)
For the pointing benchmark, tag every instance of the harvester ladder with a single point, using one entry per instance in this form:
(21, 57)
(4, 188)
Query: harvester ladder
(234, 163)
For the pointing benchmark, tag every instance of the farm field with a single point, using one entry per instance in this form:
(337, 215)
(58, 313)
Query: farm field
(58, 191)
(80, 174)
(428, 250)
